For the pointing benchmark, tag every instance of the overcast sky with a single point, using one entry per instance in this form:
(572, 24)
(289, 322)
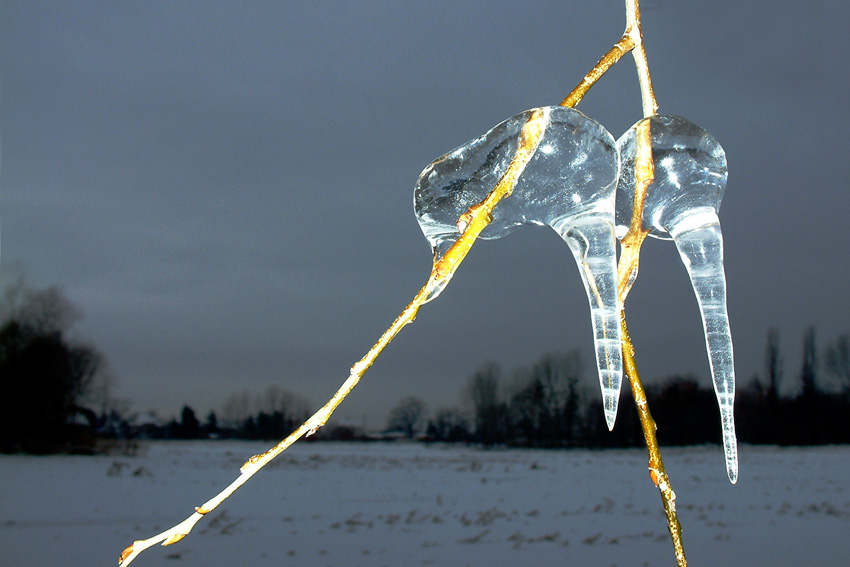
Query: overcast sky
(225, 189)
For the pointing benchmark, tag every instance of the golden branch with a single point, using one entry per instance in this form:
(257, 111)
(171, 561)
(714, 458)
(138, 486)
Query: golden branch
(472, 223)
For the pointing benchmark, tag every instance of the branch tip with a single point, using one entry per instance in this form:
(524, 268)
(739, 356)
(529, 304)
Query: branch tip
(126, 553)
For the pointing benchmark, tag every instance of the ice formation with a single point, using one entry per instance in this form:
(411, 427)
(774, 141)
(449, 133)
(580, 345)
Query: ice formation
(682, 203)
(568, 184)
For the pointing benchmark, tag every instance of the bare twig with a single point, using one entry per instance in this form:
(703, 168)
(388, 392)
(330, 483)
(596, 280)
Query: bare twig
(626, 44)
(628, 270)
(656, 466)
(632, 40)
(472, 223)
(634, 30)
(630, 245)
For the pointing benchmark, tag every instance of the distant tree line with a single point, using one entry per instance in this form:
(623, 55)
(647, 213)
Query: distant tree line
(817, 413)
(57, 397)
(273, 414)
(547, 405)
(57, 390)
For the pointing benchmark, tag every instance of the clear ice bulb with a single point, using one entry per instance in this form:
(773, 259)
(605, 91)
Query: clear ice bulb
(568, 184)
(682, 203)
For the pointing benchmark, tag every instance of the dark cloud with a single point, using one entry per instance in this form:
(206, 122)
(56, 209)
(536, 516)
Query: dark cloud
(226, 191)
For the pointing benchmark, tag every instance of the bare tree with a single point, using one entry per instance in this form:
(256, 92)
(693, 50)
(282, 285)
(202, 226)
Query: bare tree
(808, 374)
(449, 424)
(773, 365)
(44, 377)
(544, 409)
(42, 310)
(278, 400)
(406, 415)
(489, 410)
(237, 408)
(274, 413)
(483, 387)
(838, 362)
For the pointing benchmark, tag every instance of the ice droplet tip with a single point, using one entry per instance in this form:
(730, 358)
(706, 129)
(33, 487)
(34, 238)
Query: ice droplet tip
(610, 417)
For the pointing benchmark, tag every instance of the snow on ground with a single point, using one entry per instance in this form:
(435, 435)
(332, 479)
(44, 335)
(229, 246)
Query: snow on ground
(397, 504)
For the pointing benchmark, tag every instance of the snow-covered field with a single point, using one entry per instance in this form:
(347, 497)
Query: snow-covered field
(351, 504)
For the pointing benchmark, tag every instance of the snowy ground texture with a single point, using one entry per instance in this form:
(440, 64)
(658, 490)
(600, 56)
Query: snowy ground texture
(351, 504)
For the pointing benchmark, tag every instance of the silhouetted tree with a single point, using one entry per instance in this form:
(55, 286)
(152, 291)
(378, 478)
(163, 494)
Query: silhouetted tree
(293, 407)
(448, 425)
(759, 406)
(545, 406)
(189, 426)
(237, 408)
(43, 375)
(773, 365)
(529, 414)
(278, 413)
(763, 419)
(571, 414)
(559, 375)
(249, 429)
(406, 415)
(807, 403)
(490, 412)
(838, 362)
(838, 366)
(43, 311)
(210, 428)
(684, 412)
(808, 374)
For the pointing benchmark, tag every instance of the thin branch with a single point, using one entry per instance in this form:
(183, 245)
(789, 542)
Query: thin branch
(634, 30)
(471, 224)
(632, 40)
(627, 269)
(630, 244)
(627, 273)
(656, 466)
(607, 61)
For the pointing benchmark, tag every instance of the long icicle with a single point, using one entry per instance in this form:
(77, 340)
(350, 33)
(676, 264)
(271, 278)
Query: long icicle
(632, 40)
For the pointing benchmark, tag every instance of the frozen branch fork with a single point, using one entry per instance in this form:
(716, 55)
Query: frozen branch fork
(681, 204)
(568, 183)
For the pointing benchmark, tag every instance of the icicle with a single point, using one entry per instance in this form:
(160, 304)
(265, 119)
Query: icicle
(568, 184)
(682, 203)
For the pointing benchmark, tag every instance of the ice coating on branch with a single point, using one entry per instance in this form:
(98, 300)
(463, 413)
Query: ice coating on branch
(682, 203)
(568, 184)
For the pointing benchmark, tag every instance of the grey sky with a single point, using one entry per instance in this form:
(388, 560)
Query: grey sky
(226, 191)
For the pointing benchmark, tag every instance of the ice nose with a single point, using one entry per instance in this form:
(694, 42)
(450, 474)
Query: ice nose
(568, 184)
(701, 249)
(590, 241)
(682, 203)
